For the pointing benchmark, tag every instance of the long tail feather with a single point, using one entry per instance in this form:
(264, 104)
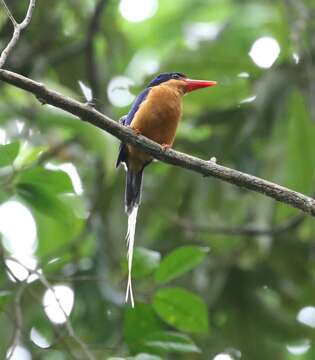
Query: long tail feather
(132, 201)
(132, 221)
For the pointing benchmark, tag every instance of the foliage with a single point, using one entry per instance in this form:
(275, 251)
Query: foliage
(200, 290)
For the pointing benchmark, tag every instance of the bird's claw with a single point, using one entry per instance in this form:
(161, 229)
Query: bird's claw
(90, 104)
(166, 146)
(41, 100)
(137, 131)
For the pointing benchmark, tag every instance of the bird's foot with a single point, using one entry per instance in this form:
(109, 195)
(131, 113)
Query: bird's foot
(166, 146)
(41, 100)
(137, 131)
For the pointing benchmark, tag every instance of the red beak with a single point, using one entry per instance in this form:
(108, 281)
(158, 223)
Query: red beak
(198, 84)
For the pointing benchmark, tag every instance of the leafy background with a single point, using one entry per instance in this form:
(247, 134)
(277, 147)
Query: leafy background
(220, 273)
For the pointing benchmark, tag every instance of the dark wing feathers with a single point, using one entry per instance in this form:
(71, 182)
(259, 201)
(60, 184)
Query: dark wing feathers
(122, 155)
(126, 120)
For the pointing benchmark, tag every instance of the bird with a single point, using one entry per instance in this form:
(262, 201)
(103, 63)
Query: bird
(155, 114)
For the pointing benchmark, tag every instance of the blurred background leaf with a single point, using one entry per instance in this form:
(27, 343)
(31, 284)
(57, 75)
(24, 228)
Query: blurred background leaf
(61, 198)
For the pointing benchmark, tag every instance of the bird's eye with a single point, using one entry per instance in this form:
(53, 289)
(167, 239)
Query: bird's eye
(175, 76)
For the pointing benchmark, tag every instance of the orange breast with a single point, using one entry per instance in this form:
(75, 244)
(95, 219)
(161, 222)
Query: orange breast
(157, 118)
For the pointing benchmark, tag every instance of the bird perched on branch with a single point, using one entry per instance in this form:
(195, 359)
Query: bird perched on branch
(155, 114)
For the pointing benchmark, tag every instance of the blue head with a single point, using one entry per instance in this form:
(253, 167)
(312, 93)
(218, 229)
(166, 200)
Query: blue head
(166, 77)
(180, 80)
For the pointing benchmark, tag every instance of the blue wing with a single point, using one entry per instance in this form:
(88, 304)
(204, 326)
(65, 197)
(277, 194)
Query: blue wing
(122, 156)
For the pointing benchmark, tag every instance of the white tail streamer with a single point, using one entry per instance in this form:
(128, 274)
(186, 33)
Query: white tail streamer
(130, 237)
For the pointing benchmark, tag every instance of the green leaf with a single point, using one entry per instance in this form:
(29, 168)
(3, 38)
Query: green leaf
(77, 204)
(179, 262)
(54, 235)
(144, 356)
(5, 297)
(46, 202)
(171, 341)
(53, 180)
(8, 153)
(29, 155)
(138, 323)
(4, 195)
(181, 309)
(145, 261)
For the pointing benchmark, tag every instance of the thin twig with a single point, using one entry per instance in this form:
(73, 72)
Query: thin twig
(18, 321)
(54, 150)
(246, 230)
(28, 16)
(57, 333)
(10, 16)
(30, 291)
(125, 134)
(17, 29)
(71, 332)
(69, 326)
(56, 329)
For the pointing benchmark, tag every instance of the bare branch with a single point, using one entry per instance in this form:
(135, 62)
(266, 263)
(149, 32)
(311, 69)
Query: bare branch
(28, 16)
(246, 230)
(6, 51)
(125, 134)
(17, 29)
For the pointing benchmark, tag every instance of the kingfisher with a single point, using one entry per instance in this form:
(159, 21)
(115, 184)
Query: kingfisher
(155, 113)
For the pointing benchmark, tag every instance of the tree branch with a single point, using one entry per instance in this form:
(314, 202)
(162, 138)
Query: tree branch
(125, 134)
(9, 14)
(245, 230)
(17, 29)
(28, 16)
